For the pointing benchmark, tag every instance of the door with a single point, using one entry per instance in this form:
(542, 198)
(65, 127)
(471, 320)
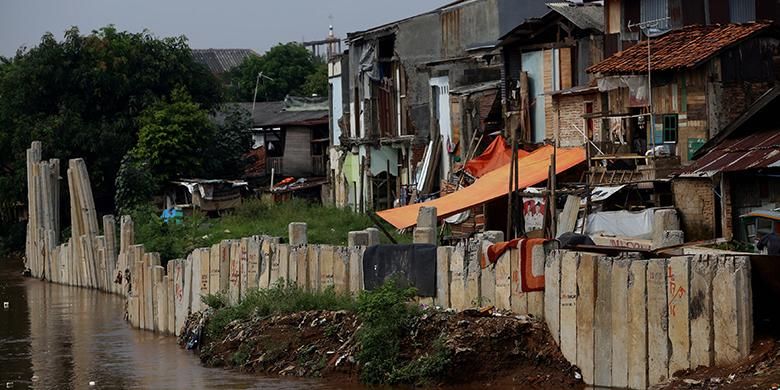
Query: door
(533, 63)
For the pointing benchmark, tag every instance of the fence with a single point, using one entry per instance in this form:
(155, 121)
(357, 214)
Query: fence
(627, 322)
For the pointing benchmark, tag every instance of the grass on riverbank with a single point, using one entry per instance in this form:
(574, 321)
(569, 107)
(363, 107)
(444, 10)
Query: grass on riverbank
(326, 225)
(280, 299)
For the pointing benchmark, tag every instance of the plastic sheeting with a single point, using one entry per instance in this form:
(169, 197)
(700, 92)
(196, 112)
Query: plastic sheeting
(495, 156)
(622, 223)
(533, 169)
(413, 264)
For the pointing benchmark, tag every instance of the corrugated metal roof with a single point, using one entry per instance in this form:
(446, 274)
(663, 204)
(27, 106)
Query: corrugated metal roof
(754, 151)
(679, 49)
(221, 60)
(586, 17)
(272, 114)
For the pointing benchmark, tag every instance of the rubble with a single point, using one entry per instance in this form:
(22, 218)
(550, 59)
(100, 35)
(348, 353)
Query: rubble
(761, 370)
(485, 348)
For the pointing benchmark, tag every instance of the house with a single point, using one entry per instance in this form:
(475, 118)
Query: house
(398, 134)
(547, 88)
(291, 137)
(624, 18)
(702, 78)
(735, 173)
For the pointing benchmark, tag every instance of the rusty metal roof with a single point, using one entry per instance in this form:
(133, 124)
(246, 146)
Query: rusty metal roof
(679, 49)
(754, 151)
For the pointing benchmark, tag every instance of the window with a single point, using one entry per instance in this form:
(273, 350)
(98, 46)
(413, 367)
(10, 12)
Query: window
(670, 128)
(654, 10)
(742, 11)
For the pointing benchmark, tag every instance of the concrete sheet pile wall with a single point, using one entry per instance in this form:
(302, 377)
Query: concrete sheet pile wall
(462, 282)
(87, 259)
(631, 323)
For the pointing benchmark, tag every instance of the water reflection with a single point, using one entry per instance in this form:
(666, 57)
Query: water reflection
(54, 336)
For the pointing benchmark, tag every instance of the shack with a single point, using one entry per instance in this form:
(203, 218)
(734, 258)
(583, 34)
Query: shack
(734, 174)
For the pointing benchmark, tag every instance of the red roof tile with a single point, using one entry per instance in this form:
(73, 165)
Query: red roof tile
(678, 49)
(754, 151)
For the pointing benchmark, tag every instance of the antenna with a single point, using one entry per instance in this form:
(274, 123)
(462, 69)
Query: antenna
(257, 83)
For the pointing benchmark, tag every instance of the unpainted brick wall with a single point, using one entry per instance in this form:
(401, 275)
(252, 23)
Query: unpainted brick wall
(695, 200)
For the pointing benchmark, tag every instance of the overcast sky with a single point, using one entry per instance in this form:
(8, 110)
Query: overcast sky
(254, 24)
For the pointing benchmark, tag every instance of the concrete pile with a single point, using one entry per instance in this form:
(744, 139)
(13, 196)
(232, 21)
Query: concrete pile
(87, 259)
(627, 322)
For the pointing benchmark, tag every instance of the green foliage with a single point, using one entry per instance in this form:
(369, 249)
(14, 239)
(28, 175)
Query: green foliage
(231, 142)
(280, 299)
(170, 240)
(317, 82)
(215, 301)
(173, 137)
(430, 366)
(287, 67)
(385, 314)
(135, 184)
(326, 225)
(82, 97)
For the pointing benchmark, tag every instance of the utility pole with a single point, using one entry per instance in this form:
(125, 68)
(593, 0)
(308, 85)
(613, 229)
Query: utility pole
(646, 26)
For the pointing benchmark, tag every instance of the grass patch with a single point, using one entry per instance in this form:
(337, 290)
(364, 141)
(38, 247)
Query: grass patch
(326, 225)
(280, 299)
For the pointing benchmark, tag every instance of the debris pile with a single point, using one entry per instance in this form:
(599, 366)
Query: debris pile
(484, 347)
(761, 370)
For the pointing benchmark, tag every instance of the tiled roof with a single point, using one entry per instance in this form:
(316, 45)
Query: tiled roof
(221, 60)
(678, 49)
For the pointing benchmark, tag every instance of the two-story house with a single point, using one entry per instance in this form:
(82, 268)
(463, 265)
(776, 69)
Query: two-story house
(393, 116)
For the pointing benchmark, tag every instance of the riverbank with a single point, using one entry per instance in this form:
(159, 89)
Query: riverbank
(438, 348)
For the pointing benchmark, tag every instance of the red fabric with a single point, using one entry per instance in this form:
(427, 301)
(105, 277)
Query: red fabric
(528, 281)
(495, 156)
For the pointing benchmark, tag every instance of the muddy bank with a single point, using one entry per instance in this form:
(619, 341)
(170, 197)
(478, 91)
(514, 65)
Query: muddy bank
(761, 370)
(480, 349)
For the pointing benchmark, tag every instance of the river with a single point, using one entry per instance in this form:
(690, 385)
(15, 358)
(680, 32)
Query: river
(54, 336)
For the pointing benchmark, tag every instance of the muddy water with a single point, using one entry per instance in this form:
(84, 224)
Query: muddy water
(54, 336)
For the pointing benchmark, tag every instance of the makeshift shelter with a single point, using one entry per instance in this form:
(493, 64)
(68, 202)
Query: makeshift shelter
(532, 169)
(496, 155)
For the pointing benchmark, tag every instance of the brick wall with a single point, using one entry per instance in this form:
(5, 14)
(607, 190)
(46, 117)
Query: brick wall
(695, 202)
(727, 214)
(572, 108)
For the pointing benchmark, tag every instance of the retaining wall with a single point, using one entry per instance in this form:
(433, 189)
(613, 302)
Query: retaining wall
(627, 322)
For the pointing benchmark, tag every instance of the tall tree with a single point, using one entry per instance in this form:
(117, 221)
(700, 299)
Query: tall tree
(82, 97)
(285, 70)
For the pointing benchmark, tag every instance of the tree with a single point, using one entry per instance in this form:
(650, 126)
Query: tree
(82, 97)
(317, 82)
(231, 142)
(286, 66)
(173, 137)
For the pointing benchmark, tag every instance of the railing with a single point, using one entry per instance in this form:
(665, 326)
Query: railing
(275, 164)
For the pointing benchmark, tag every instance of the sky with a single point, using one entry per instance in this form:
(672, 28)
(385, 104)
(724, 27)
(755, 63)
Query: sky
(252, 24)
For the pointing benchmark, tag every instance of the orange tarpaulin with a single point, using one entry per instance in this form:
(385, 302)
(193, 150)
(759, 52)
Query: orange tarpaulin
(495, 156)
(532, 169)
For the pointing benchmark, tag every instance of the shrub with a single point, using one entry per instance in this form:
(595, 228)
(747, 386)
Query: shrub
(385, 314)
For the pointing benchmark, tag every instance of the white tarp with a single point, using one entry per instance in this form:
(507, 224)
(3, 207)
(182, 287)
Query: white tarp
(622, 223)
(599, 194)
